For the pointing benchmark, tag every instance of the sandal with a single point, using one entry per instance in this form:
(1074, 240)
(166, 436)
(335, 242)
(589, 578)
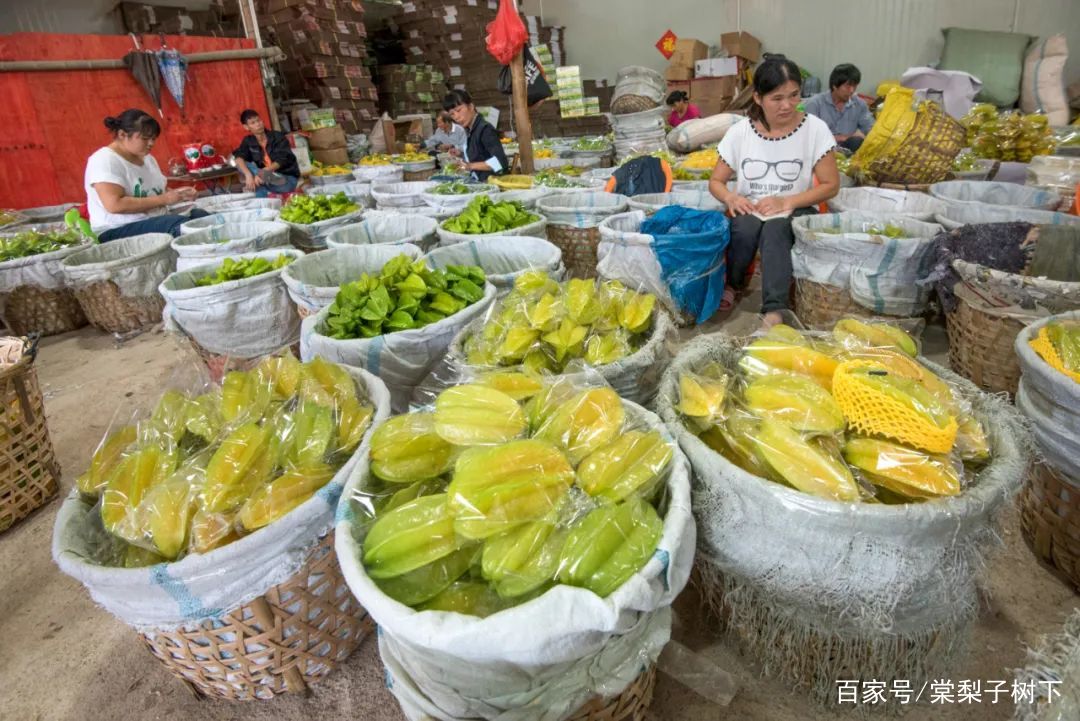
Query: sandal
(728, 299)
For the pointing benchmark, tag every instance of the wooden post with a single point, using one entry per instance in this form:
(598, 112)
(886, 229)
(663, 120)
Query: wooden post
(251, 30)
(521, 113)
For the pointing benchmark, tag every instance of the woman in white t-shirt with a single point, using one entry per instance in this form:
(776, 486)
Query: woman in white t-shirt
(775, 155)
(125, 188)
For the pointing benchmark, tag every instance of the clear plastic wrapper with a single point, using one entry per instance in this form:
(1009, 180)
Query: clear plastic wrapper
(514, 483)
(209, 465)
(850, 415)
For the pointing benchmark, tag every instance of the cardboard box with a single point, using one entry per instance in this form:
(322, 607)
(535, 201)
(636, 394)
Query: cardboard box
(742, 45)
(678, 72)
(716, 67)
(335, 156)
(327, 138)
(713, 95)
(688, 51)
(673, 85)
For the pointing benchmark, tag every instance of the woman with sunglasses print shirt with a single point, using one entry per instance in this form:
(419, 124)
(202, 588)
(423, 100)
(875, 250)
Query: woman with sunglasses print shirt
(774, 155)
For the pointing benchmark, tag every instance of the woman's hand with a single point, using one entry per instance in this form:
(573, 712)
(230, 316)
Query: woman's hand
(249, 184)
(178, 195)
(772, 205)
(740, 206)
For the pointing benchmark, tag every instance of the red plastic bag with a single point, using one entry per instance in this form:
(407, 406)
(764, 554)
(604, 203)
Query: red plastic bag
(506, 33)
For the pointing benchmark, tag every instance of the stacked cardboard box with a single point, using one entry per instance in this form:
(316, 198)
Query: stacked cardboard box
(410, 89)
(217, 20)
(450, 35)
(325, 44)
(687, 52)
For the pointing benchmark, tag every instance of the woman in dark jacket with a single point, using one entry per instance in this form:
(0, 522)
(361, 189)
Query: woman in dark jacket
(484, 154)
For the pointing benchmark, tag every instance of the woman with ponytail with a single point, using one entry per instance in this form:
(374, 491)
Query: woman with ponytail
(775, 156)
(125, 188)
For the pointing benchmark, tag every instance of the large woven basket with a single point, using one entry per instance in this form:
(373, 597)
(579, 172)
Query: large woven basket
(113, 312)
(926, 156)
(1050, 521)
(981, 347)
(30, 309)
(218, 364)
(29, 473)
(281, 642)
(578, 246)
(819, 305)
(632, 104)
(630, 705)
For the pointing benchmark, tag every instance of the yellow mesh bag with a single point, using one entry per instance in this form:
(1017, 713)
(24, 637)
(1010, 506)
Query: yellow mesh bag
(874, 410)
(893, 124)
(512, 182)
(1042, 345)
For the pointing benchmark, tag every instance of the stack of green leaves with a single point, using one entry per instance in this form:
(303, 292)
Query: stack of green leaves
(483, 215)
(307, 209)
(406, 294)
(543, 326)
(238, 269)
(33, 242)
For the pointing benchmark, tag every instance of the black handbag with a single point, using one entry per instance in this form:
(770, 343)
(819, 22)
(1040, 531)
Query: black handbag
(536, 82)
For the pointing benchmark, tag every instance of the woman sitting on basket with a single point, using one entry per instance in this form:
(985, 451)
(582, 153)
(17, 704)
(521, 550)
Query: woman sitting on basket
(775, 156)
(125, 188)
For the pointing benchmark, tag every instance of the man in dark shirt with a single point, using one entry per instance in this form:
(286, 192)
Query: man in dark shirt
(267, 163)
(484, 155)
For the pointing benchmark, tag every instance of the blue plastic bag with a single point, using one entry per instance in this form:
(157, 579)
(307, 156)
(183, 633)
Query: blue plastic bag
(690, 245)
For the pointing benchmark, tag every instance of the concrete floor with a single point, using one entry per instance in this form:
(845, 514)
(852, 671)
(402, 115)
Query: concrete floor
(62, 658)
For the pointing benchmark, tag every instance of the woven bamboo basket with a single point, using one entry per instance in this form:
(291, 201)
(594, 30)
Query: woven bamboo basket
(30, 309)
(29, 473)
(926, 156)
(1050, 521)
(280, 642)
(409, 175)
(633, 104)
(218, 364)
(111, 311)
(819, 305)
(981, 347)
(630, 705)
(578, 246)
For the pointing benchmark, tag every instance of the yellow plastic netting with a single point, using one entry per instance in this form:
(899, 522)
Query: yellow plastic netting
(1042, 345)
(873, 412)
(891, 129)
(512, 182)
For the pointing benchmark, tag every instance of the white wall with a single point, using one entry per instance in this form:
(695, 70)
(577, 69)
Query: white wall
(96, 17)
(881, 37)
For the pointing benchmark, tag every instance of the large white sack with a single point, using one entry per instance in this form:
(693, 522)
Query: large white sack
(136, 264)
(536, 229)
(503, 258)
(955, 215)
(203, 246)
(236, 201)
(403, 358)
(247, 215)
(357, 192)
(394, 229)
(244, 318)
(696, 198)
(919, 206)
(378, 173)
(457, 203)
(882, 274)
(539, 661)
(202, 587)
(581, 210)
(400, 195)
(44, 270)
(312, 236)
(701, 132)
(315, 279)
(964, 192)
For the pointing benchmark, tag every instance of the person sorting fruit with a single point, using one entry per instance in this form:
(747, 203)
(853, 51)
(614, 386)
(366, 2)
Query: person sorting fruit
(265, 158)
(484, 155)
(846, 114)
(785, 165)
(681, 108)
(126, 191)
(448, 135)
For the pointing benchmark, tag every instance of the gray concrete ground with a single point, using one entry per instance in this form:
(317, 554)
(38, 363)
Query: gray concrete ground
(64, 659)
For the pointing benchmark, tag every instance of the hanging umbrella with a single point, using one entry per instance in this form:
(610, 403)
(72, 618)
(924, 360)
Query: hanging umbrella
(173, 68)
(143, 65)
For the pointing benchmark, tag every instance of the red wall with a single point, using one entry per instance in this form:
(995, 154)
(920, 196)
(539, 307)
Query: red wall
(53, 119)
